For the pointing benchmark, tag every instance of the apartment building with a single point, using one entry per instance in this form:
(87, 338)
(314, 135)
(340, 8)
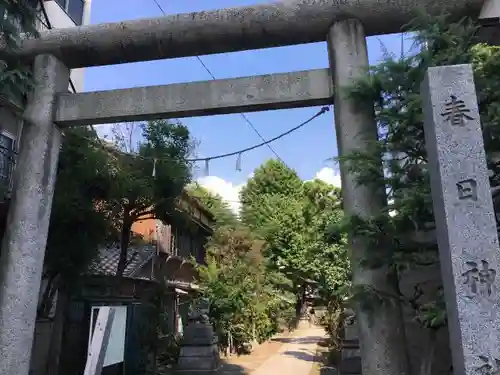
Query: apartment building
(52, 14)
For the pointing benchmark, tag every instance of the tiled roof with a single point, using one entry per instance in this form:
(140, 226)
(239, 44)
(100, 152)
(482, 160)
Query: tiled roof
(107, 261)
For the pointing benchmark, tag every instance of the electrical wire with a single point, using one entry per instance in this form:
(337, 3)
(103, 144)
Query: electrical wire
(266, 143)
(239, 152)
(245, 117)
(220, 156)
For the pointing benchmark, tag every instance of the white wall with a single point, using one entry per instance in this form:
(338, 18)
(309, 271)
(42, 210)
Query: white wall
(59, 19)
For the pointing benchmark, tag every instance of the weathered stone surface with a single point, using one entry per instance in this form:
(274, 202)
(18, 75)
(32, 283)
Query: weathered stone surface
(199, 334)
(226, 30)
(25, 238)
(381, 334)
(350, 366)
(350, 348)
(199, 351)
(205, 98)
(197, 363)
(351, 331)
(465, 223)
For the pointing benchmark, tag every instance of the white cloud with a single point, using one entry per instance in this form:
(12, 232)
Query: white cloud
(231, 192)
(227, 190)
(329, 175)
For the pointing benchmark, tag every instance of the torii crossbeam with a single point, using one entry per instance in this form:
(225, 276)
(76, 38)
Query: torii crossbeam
(229, 30)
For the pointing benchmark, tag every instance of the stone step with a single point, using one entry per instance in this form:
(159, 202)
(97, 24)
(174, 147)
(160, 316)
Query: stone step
(350, 366)
(199, 351)
(197, 364)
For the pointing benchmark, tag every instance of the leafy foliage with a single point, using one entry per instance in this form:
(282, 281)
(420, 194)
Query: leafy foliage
(328, 259)
(18, 17)
(148, 176)
(245, 305)
(78, 225)
(271, 181)
(292, 217)
(223, 215)
(393, 87)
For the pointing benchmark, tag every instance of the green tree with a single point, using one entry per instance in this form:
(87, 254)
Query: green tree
(394, 88)
(223, 214)
(272, 205)
(292, 217)
(245, 304)
(148, 176)
(328, 259)
(273, 178)
(18, 17)
(78, 225)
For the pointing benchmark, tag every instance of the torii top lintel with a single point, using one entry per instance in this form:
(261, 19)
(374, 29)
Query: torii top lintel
(227, 30)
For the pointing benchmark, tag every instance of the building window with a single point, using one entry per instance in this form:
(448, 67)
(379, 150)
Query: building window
(7, 154)
(74, 9)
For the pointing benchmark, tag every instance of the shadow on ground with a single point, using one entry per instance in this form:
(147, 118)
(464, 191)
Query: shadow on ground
(299, 340)
(302, 355)
(231, 369)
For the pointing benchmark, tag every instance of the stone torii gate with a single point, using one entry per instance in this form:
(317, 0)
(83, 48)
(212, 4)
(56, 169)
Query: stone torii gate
(343, 24)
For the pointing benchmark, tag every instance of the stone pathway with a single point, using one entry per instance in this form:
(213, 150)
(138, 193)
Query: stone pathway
(291, 355)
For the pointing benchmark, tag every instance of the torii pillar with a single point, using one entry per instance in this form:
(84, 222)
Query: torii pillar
(381, 333)
(24, 242)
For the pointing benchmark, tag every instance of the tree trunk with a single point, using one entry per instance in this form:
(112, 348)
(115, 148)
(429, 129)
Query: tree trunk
(47, 296)
(124, 242)
(54, 353)
(298, 305)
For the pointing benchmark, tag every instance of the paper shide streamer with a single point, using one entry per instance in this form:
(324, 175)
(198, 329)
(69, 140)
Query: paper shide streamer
(238, 163)
(207, 167)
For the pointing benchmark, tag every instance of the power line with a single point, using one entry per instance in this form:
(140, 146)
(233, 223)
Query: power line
(245, 118)
(220, 156)
(266, 143)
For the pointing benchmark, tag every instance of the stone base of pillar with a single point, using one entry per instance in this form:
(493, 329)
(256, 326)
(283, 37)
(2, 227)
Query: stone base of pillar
(199, 351)
(350, 363)
(304, 322)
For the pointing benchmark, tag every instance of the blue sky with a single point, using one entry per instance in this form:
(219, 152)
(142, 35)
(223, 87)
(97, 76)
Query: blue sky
(306, 150)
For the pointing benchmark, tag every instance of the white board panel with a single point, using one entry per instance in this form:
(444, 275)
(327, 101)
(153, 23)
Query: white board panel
(115, 352)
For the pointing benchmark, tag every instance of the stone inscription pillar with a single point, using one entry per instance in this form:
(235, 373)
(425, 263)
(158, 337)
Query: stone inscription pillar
(25, 238)
(381, 332)
(465, 220)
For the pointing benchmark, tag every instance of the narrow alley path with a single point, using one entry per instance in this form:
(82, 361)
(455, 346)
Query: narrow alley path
(291, 355)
